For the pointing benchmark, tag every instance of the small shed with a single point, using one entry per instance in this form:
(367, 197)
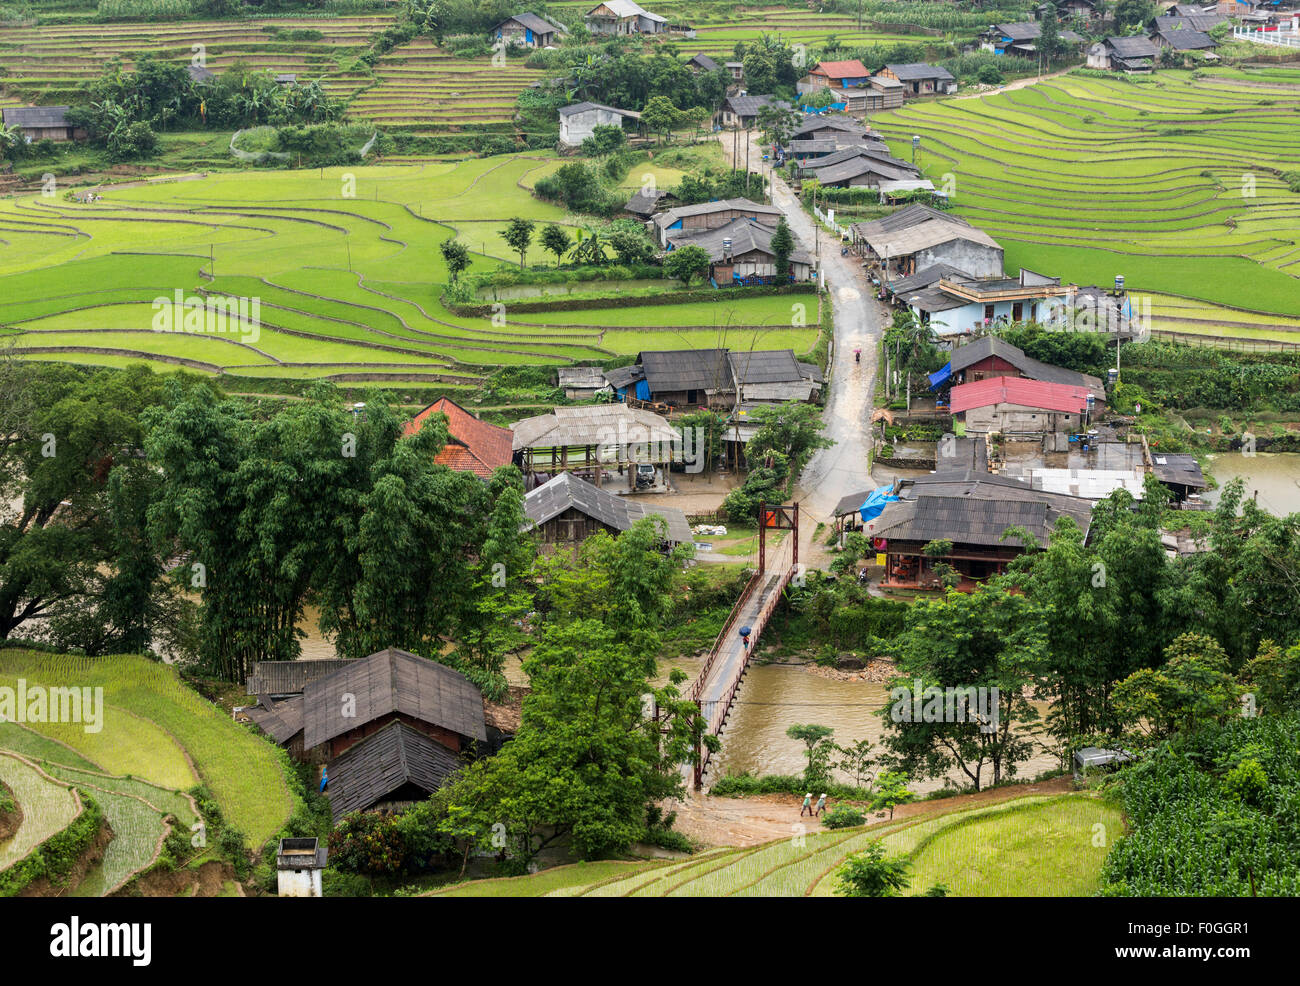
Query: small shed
(1095, 759)
(582, 383)
(298, 865)
(42, 122)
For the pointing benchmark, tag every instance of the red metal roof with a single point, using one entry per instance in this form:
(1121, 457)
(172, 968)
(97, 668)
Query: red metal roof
(473, 445)
(1019, 390)
(841, 70)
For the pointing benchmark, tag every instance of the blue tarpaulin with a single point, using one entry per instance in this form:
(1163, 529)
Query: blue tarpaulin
(875, 503)
(643, 390)
(940, 377)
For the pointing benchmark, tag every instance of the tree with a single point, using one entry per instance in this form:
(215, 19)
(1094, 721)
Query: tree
(555, 240)
(1191, 690)
(605, 138)
(871, 873)
(782, 247)
(937, 550)
(631, 247)
(787, 436)
(1130, 14)
(966, 661)
(586, 763)
(817, 749)
(456, 256)
(777, 123)
(1050, 43)
(519, 236)
(891, 791)
(660, 116)
(687, 262)
(856, 760)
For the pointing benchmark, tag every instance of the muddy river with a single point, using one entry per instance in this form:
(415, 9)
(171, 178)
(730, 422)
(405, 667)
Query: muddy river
(1272, 478)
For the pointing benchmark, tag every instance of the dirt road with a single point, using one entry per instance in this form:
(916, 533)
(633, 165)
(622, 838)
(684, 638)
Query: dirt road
(859, 321)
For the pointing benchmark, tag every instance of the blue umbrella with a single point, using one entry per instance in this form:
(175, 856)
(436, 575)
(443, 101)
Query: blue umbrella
(746, 631)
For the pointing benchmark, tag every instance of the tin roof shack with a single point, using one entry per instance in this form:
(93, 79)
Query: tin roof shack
(599, 442)
(687, 377)
(581, 383)
(567, 510)
(916, 237)
(278, 680)
(973, 511)
(704, 216)
(740, 111)
(646, 202)
(741, 253)
(1181, 473)
(472, 445)
(1133, 55)
(773, 376)
(1014, 406)
(528, 31)
(860, 168)
(921, 78)
(42, 123)
(1019, 38)
(624, 17)
(298, 865)
(990, 356)
(579, 120)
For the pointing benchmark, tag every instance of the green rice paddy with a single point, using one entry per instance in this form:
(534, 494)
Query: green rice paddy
(1172, 181)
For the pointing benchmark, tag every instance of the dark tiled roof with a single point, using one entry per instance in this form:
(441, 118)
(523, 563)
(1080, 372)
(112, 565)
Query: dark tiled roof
(36, 116)
(850, 503)
(686, 369)
(750, 105)
(1193, 22)
(391, 681)
(1186, 40)
(745, 236)
(861, 165)
(704, 62)
(532, 22)
(288, 677)
(963, 521)
(972, 489)
(567, 491)
(279, 720)
(383, 763)
(642, 204)
(844, 124)
(916, 71)
(765, 366)
(1134, 47)
(924, 279)
(905, 218)
(622, 377)
(1181, 469)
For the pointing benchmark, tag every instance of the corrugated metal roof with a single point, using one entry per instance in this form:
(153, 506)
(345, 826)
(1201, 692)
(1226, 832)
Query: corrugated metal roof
(585, 106)
(765, 366)
(36, 116)
(567, 491)
(749, 208)
(922, 236)
(288, 677)
(1134, 47)
(582, 377)
(1019, 391)
(279, 720)
(962, 520)
(672, 370)
(918, 71)
(609, 424)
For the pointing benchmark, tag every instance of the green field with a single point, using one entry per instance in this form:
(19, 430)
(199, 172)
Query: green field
(1032, 846)
(48, 807)
(242, 771)
(1170, 180)
(344, 283)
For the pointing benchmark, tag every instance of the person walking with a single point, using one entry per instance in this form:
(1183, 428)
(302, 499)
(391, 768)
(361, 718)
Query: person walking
(821, 804)
(807, 805)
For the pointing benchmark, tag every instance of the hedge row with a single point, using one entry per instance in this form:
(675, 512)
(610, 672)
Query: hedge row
(55, 856)
(627, 301)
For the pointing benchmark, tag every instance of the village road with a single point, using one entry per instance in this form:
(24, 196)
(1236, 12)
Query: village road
(859, 322)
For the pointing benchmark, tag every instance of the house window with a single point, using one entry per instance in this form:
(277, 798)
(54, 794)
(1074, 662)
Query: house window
(988, 313)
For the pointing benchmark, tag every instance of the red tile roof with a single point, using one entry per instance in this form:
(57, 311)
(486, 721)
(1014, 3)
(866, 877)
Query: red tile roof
(472, 445)
(1019, 390)
(841, 70)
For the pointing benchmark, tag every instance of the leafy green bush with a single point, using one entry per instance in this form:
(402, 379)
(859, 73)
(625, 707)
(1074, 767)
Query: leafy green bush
(843, 817)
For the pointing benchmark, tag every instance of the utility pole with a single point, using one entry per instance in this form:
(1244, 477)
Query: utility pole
(747, 143)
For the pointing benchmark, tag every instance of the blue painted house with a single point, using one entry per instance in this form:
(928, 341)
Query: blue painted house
(528, 31)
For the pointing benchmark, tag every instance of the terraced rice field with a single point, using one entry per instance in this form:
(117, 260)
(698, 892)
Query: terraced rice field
(48, 807)
(48, 63)
(347, 286)
(1031, 846)
(1171, 182)
(242, 771)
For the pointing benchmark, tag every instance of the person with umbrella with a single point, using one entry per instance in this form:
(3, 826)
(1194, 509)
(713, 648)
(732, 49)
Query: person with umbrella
(744, 637)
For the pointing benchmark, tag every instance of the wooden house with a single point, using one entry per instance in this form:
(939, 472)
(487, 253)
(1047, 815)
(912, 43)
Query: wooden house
(600, 442)
(1183, 40)
(990, 356)
(920, 78)
(42, 123)
(1020, 38)
(973, 510)
(623, 17)
(702, 63)
(528, 31)
(580, 383)
(917, 237)
(566, 510)
(741, 253)
(693, 219)
(1133, 55)
(740, 111)
(1014, 406)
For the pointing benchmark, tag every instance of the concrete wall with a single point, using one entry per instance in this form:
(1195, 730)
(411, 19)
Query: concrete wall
(965, 318)
(1016, 419)
(298, 883)
(975, 259)
(578, 127)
